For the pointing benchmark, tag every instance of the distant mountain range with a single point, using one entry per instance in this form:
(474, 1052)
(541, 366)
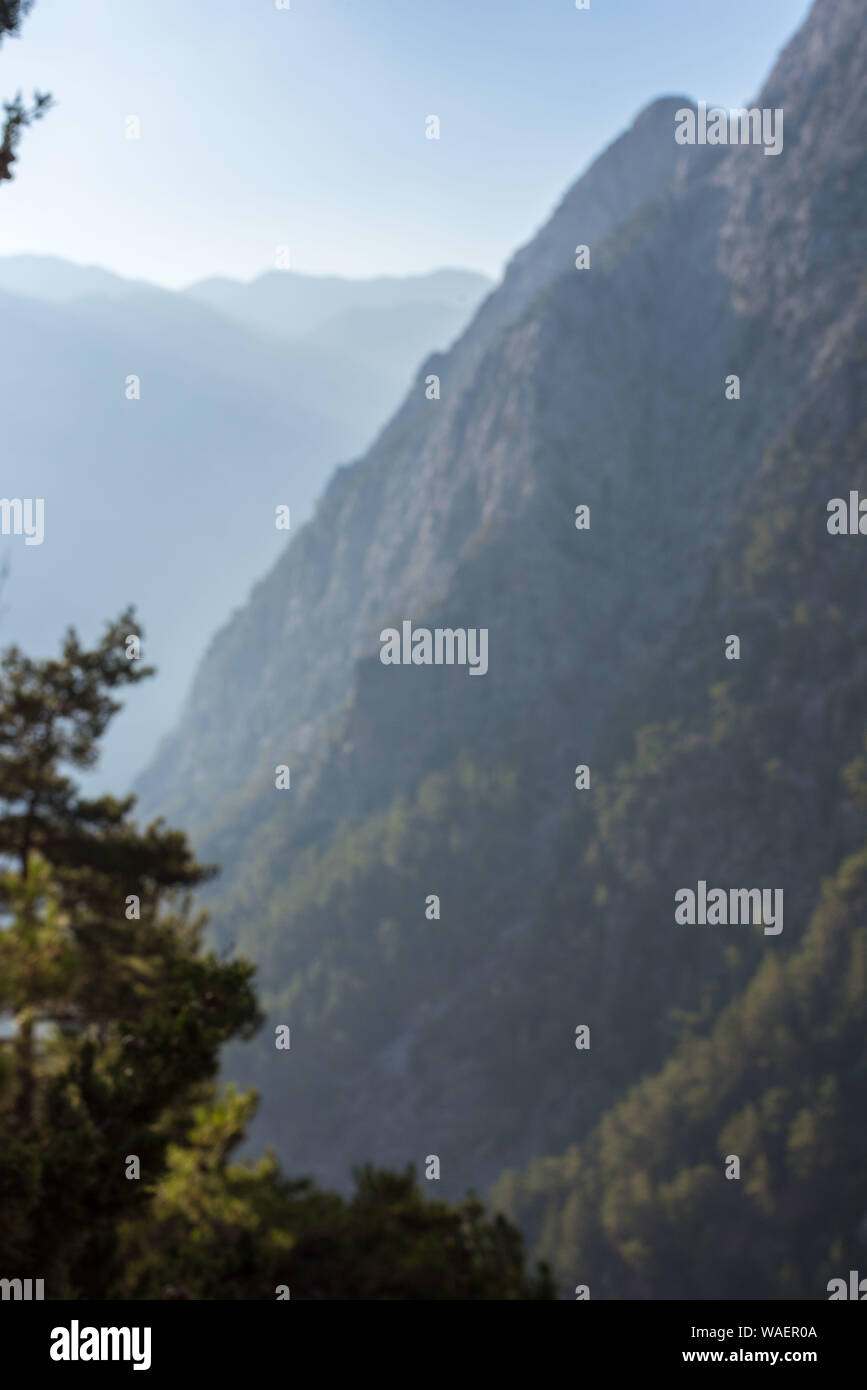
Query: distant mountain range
(169, 500)
(289, 306)
(434, 906)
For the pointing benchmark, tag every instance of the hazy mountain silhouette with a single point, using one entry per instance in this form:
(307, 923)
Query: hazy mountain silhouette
(288, 305)
(174, 495)
(59, 282)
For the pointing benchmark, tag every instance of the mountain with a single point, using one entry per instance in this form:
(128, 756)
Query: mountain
(642, 1209)
(170, 500)
(286, 304)
(376, 336)
(391, 528)
(610, 388)
(60, 282)
(373, 325)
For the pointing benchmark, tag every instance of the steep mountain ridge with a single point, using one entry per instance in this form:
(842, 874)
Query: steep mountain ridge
(382, 520)
(604, 387)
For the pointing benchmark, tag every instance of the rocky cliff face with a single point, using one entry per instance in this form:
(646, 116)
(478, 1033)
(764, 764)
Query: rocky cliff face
(392, 530)
(603, 387)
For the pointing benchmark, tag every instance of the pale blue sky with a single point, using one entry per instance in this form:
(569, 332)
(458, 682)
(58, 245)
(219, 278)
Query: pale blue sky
(305, 127)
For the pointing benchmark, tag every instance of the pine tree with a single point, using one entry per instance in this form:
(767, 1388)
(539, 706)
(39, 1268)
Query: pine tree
(116, 1179)
(17, 115)
(117, 1013)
